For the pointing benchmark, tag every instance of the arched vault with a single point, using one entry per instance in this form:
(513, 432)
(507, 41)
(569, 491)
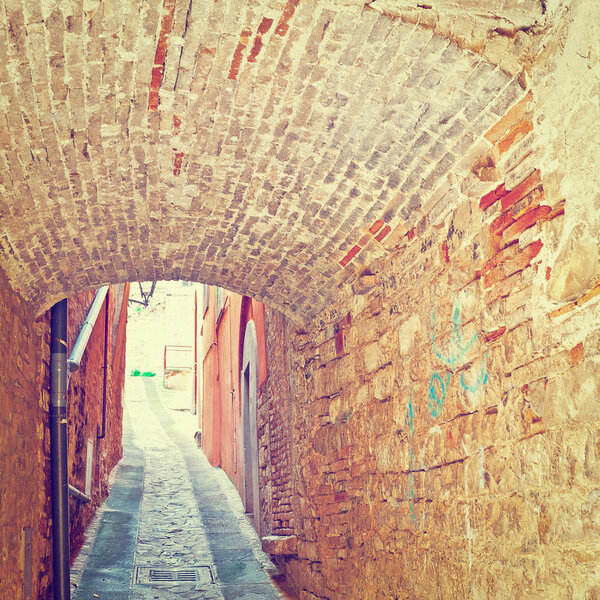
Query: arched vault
(271, 147)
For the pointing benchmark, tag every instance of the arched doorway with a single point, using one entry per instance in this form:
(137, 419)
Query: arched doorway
(249, 387)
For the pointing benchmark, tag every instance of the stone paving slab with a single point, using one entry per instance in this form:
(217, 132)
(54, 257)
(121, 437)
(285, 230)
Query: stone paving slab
(169, 509)
(249, 592)
(104, 569)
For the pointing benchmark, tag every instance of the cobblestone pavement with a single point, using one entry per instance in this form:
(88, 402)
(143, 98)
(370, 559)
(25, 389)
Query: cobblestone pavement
(170, 516)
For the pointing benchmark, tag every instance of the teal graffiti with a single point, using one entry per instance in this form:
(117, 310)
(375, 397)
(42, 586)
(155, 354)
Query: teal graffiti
(456, 350)
(455, 357)
(437, 394)
(482, 378)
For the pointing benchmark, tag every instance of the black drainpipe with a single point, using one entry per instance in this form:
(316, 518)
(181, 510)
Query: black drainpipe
(58, 450)
(102, 434)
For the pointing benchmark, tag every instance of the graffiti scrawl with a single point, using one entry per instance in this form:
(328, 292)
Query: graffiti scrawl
(453, 359)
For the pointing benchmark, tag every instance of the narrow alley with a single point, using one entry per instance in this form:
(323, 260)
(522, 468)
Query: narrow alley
(173, 527)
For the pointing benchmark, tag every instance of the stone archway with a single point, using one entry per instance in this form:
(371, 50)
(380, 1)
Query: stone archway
(275, 148)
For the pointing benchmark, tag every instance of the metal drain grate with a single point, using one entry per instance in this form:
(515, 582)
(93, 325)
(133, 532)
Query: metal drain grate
(179, 575)
(193, 575)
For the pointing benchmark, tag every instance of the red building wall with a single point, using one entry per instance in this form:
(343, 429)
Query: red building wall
(223, 341)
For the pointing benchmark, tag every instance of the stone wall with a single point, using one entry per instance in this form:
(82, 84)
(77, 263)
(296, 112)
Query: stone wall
(25, 508)
(446, 412)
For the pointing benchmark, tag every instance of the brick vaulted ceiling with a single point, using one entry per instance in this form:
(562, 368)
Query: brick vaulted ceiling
(271, 147)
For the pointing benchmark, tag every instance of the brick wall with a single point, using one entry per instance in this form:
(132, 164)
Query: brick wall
(85, 403)
(264, 140)
(24, 433)
(446, 413)
(24, 446)
(274, 415)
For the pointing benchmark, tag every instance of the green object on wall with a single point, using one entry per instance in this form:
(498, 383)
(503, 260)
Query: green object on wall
(138, 373)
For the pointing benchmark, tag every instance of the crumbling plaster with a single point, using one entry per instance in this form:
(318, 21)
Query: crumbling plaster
(565, 82)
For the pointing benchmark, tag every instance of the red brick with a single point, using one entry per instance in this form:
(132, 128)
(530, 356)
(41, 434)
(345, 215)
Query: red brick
(161, 47)
(177, 163)
(492, 336)
(383, 233)
(376, 226)
(264, 26)
(239, 54)
(517, 133)
(288, 11)
(577, 354)
(351, 254)
(521, 190)
(499, 224)
(492, 197)
(153, 96)
(557, 211)
(444, 251)
(531, 200)
(523, 259)
(166, 24)
(256, 48)
(176, 124)
(529, 219)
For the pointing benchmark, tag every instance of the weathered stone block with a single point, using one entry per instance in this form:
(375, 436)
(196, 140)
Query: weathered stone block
(280, 545)
(577, 267)
(383, 383)
(573, 395)
(374, 357)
